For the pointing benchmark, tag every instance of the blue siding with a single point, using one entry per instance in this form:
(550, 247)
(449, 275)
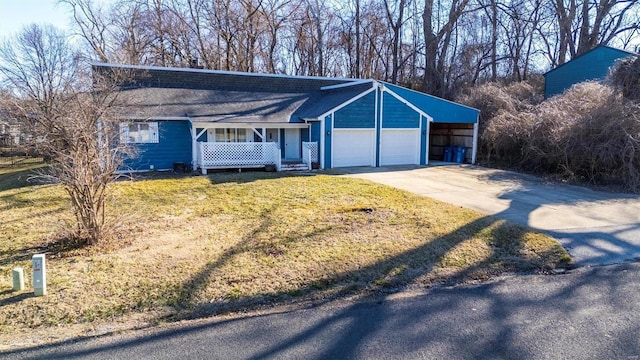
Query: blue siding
(174, 146)
(304, 135)
(396, 114)
(315, 136)
(315, 131)
(592, 65)
(357, 115)
(442, 111)
(327, 142)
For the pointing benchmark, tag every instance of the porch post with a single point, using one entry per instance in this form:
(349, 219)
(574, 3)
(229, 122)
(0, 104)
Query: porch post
(202, 167)
(474, 151)
(194, 149)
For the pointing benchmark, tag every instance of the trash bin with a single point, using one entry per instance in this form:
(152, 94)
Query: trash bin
(461, 152)
(447, 154)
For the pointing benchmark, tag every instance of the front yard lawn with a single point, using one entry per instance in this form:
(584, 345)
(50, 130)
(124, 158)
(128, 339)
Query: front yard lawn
(199, 245)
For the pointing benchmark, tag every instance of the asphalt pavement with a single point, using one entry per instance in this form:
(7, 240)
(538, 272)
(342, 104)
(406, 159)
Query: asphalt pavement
(588, 313)
(597, 228)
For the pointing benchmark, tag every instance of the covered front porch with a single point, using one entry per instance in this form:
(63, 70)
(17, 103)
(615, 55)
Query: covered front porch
(239, 146)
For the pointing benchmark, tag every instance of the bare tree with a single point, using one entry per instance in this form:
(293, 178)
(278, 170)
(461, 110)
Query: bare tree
(439, 34)
(582, 25)
(74, 118)
(396, 27)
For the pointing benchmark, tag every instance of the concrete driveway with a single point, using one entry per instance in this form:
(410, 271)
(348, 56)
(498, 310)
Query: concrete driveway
(596, 228)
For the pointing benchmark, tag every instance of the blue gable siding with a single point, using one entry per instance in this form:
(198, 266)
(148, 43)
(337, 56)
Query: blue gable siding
(396, 114)
(174, 146)
(441, 110)
(358, 115)
(592, 65)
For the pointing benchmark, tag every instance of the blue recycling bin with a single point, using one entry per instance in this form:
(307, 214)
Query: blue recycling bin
(460, 152)
(447, 155)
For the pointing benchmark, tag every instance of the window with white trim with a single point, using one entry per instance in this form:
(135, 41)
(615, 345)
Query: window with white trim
(139, 133)
(229, 135)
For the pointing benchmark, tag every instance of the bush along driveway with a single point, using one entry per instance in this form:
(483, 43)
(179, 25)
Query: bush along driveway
(597, 228)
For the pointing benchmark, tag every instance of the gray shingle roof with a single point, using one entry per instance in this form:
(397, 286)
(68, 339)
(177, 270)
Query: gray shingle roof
(213, 96)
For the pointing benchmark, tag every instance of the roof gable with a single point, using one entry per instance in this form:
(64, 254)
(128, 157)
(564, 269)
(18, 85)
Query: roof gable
(440, 110)
(613, 52)
(592, 65)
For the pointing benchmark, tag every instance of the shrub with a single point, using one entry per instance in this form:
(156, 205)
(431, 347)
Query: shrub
(504, 118)
(625, 76)
(588, 134)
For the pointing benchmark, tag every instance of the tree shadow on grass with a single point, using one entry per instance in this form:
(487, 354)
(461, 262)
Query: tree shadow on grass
(506, 255)
(386, 275)
(493, 330)
(18, 179)
(345, 332)
(57, 247)
(15, 299)
(189, 291)
(220, 176)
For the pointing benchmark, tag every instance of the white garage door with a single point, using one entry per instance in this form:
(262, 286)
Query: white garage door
(353, 147)
(400, 147)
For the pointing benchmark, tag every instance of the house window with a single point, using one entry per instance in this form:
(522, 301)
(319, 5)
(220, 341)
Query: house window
(139, 133)
(231, 135)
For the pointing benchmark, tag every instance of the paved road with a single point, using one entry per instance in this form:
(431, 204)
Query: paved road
(595, 227)
(589, 313)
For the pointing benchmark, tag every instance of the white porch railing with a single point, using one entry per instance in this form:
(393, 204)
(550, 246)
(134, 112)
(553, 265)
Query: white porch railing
(309, 153)
(212, 155)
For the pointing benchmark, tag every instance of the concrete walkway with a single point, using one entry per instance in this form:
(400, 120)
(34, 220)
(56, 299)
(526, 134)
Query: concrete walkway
(596, 228)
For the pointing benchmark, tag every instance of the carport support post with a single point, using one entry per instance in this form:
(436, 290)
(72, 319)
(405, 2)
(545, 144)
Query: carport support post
(474, 150)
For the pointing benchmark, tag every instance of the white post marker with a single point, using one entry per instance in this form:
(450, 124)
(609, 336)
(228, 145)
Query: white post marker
(18, 279)
(39, 275)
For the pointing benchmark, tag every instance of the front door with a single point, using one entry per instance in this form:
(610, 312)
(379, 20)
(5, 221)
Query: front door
(292, 143)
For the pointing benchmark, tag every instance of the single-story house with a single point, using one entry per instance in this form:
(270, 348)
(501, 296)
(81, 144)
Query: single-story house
(592, 65)
(218, 119)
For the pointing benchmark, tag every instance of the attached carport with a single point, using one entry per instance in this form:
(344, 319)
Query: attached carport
(450, 124)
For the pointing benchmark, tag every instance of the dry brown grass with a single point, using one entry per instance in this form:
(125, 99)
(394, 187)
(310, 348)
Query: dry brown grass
(204, 245)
